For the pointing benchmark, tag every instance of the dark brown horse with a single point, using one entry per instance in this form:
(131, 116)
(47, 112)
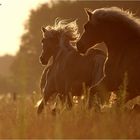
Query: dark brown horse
(120, 31)
(69, 69)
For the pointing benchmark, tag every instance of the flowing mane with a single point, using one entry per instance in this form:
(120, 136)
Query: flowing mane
(120, 16)
(66, 29)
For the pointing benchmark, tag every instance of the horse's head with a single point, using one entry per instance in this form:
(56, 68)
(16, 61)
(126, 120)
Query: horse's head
(57, 37)
(50, 45)
(92, 33)
(110, 25)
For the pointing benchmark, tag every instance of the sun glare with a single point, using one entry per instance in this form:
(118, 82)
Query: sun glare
(13, 14)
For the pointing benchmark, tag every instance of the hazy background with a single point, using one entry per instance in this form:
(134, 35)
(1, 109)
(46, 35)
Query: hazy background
(21, 72)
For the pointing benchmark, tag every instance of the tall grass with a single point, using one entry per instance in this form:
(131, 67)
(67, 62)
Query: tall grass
(18, 119)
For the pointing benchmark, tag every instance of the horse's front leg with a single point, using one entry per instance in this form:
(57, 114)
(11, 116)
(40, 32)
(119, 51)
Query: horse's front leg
(46, 96)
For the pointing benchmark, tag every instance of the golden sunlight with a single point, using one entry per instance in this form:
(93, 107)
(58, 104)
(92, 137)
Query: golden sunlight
(13, 14)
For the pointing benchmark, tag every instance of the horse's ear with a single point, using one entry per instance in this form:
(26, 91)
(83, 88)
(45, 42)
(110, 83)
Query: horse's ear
(43, 29)
(88, 12)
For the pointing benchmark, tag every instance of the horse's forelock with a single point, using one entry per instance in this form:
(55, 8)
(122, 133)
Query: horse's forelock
(63, 28)
(49, 32)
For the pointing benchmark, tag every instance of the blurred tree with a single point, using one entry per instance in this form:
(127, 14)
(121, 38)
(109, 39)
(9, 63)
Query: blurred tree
(26, 68)
(5, 63)
(6, 84)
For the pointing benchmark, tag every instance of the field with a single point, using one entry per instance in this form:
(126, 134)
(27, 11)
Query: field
(18, 119)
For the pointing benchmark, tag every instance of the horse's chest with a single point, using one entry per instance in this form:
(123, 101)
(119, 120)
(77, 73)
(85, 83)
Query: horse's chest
(114, 69)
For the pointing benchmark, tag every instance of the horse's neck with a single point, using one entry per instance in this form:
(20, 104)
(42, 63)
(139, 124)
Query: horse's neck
(62, 51)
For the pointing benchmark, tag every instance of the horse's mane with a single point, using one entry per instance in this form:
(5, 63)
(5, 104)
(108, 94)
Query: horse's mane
(65, 28)
(115, 14)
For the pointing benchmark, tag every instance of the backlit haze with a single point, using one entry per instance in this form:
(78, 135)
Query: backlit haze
(13, 14)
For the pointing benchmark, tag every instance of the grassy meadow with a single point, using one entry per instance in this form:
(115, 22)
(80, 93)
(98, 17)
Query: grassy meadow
(18, 119)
